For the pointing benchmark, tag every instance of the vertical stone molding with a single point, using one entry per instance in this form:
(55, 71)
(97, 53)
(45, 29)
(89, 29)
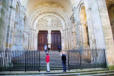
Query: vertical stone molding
(107, 32)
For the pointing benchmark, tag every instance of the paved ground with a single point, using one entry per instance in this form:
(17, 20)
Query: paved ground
(73, 74)
(97, 72)
(65, 74)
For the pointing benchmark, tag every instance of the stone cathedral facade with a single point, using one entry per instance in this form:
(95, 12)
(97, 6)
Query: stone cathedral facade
(71, 24)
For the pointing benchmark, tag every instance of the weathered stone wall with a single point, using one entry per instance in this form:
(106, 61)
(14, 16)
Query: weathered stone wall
(10, 23)
(100, 35)
(0, 23)
(4, 20)
(15, 26)
(18, 31)
(0, 7)
(107, 31)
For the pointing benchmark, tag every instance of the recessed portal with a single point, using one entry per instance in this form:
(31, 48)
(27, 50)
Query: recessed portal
(55, 40)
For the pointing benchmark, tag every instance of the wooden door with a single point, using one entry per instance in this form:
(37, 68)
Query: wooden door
(42, 39)
(55, 40)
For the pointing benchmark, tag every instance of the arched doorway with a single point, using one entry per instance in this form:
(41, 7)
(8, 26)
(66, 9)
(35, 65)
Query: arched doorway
(43, 39)
(52, 15)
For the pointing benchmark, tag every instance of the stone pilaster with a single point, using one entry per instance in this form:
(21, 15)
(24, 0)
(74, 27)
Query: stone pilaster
(11, 24)
(4, 20)
(107, 32)
(17, 22)
(78, 28)
(4, 23)
(92, 40)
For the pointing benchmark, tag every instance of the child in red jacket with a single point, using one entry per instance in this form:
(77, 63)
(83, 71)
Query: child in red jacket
(47, 62)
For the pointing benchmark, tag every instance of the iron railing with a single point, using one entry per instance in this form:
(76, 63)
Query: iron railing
(35, 60)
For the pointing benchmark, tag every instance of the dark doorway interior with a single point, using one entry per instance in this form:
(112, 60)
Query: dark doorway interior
(55, 40)
(42, 39)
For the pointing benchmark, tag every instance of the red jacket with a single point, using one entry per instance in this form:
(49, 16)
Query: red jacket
(47, 58)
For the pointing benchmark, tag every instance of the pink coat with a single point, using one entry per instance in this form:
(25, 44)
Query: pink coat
(47, 59)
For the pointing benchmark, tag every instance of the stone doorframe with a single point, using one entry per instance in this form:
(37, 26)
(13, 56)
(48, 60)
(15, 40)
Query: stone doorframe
(49, 37)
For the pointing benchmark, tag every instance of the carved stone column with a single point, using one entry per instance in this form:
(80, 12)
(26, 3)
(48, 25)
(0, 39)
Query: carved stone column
(49, 38)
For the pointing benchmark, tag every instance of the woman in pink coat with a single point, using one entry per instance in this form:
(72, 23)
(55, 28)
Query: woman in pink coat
(47, 59)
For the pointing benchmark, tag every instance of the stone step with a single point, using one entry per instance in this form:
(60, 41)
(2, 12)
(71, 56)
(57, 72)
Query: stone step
(84, 72)
(36, 57)
(31, 59)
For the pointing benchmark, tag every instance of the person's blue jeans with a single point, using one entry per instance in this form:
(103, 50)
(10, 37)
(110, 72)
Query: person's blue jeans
(64, 66)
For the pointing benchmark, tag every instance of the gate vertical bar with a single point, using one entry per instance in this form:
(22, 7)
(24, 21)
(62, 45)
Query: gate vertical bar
(68, 62)
(39, 60)
(80, 59)
(105, 59)
(25, 61)
(34, 60)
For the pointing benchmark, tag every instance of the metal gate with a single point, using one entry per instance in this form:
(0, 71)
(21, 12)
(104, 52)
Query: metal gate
(35, 60)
